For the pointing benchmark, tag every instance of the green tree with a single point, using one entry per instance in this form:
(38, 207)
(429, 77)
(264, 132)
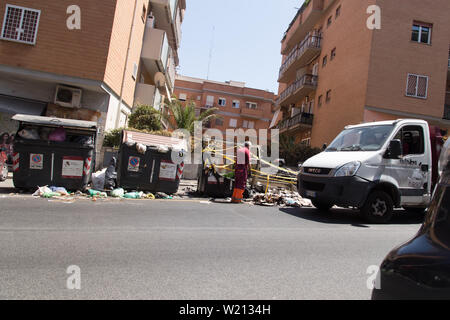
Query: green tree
(184, 117)
(145, 118)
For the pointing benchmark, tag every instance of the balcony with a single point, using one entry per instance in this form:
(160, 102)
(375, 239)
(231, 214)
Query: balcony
(166, 17)
(299, 57)
(298, 90)
(447, 112)
(298, 121)
(155, 50)
(251, 113)
(144, 94)
(304, 21)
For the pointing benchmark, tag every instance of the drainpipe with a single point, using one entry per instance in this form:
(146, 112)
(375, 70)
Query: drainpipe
(119, 111)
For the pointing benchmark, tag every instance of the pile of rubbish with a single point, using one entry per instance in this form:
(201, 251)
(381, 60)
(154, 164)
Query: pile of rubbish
(60, 193)
(281, 198)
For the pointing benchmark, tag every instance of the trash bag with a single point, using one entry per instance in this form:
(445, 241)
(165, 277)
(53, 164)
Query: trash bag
(59, 135)
(98, 180)
(134, 195)
(118, 193)
(29, 134)
(60, 190)
(111, 175)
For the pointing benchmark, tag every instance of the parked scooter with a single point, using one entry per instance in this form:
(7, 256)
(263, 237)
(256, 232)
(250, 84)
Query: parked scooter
(3, 166)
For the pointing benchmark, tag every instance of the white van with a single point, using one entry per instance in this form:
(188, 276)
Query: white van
(375, 167)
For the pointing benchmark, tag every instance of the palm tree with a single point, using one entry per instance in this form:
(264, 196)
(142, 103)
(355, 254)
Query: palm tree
(184, 117)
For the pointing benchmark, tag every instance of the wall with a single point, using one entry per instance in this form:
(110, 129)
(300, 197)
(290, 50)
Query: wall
(78, 53)
(347, 74)
(394, 55)
(124, 13)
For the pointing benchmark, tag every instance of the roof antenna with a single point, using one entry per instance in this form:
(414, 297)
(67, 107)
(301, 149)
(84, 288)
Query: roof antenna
(211, 52)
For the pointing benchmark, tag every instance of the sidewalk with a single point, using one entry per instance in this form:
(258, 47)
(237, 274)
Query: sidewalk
(7, 186)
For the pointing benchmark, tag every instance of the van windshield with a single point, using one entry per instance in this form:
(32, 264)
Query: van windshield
(361, 139)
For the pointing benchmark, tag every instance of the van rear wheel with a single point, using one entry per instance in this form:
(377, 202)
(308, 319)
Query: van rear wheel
(379, 207)
(322, 206)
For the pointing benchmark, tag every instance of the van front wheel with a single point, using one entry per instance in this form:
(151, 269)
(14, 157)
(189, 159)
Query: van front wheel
(379, 207)
(322, 206)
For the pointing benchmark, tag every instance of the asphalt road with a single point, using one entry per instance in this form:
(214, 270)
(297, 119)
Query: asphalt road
(188, 250)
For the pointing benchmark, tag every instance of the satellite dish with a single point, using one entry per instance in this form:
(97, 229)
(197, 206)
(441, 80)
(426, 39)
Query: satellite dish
(160, 79)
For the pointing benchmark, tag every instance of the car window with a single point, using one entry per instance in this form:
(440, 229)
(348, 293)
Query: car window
(412, 138)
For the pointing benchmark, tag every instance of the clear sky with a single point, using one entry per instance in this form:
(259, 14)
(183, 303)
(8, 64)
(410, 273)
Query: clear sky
(247, 40)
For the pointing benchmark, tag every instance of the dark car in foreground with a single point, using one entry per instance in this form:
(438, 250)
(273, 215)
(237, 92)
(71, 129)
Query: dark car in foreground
(420, 269)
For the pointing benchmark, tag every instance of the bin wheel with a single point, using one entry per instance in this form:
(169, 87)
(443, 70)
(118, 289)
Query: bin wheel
(379, 207)
(322, 206)
(4, 173)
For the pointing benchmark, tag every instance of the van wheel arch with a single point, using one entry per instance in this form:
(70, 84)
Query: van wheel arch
(390, 189)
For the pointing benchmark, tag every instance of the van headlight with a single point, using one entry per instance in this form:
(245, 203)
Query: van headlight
(348, 170)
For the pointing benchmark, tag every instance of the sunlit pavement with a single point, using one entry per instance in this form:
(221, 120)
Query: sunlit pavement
(168, 249)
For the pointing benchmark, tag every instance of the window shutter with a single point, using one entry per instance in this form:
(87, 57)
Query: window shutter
(422, 87)
(412, 85)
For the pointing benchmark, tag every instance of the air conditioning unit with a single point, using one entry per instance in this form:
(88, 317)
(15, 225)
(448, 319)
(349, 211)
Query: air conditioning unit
(68, 97)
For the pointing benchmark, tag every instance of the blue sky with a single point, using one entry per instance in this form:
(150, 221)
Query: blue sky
(246, 40)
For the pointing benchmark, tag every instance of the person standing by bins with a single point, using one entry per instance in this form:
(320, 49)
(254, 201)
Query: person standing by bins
(241, 172)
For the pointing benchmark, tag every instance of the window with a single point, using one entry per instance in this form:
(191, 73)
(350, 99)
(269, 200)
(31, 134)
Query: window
(412, 139)
(333, 54)
(421, 32)
(199, 98)
(338, 12)
(306, 142)
(222, 102)
(20, 24)
(233, 123)
(210, 101)
(251, 105)
(219, 122)
(328, 98)
(236, 104)
(324, 61)
(182, 97)
(319, 101)
(417, 86)
(248, 124)
(330, 19)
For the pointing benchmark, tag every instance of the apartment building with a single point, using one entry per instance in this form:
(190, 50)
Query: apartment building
(92, 61)
(239, 106)
(337, 71)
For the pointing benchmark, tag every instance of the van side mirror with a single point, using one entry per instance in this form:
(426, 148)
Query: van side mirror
(324, 147)
(394, 150)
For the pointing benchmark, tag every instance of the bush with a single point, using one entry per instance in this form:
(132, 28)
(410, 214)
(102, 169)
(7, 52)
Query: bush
(145, 118)
(112, 138)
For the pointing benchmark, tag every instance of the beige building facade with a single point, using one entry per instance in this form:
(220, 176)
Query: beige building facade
(239, 107)
(339, 68)
(96, 59)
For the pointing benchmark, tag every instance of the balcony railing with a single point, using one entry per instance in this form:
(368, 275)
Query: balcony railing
(298, 89)
(301, 118)
(312, 41)
(447, 112)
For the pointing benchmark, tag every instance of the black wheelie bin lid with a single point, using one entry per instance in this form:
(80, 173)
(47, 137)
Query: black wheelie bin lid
(56, 122)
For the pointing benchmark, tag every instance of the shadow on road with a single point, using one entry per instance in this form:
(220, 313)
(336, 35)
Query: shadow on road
(350, 217)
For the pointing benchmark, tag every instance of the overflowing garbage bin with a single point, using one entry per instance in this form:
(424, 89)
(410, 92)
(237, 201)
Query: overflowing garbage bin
(53, 152)
(213, 184)
(146, 164)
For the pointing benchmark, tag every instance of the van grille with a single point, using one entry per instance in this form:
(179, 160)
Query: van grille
(321, 171)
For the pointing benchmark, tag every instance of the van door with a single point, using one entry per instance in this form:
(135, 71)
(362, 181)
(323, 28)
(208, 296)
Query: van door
(413, 170)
